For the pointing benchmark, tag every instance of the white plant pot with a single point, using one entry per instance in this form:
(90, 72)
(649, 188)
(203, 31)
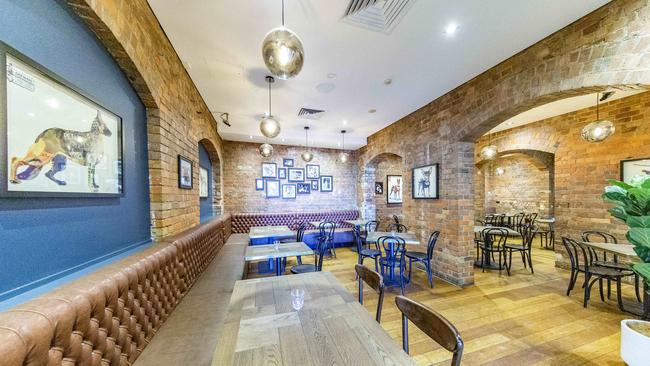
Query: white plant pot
(635, 347)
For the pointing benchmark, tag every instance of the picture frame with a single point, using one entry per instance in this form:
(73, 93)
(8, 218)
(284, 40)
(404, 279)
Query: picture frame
(326, 183)
(314, 185)
(66, 116)
(272, 188)
(425, 182)
(185, 167)
(632, 167)
(259, 184)
(303, 188)
(312, 171)
(379, 188)
(296, 174)
(282, 173)
(394, 189)
(288, 191)
(269, 170)
(204, 182)
(287, 162)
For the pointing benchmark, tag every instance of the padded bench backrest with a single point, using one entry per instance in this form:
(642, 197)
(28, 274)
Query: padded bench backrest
(109, 316)
(241, 223)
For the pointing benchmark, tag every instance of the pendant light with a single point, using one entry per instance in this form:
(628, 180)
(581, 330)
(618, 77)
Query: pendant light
(500, 171)
(489, 152)
(266, 150)
(307, 155)
(343, 156)
(599, 130)
(282, 51)
(269, 126)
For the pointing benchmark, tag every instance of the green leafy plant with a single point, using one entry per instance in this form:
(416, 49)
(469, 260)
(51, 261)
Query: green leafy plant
(633, 207)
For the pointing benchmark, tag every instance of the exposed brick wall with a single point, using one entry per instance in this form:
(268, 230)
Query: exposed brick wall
(177, 115)
(582, 168)
(244, 164)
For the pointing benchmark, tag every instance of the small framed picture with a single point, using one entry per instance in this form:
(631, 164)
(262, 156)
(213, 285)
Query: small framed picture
(303, 188)
(424, 183)
(314, 185)
(272, 188)
(184, 172)
(394, 189)
(379, 188)
(634, 167)
(259, 184)
(269, 170)
(313, 171)
(326, 183)
(282, 173)
(288, 191)
(287, 162)
(203, 182)
(296, 174)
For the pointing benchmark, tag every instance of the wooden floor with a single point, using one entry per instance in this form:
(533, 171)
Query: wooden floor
(523, 319)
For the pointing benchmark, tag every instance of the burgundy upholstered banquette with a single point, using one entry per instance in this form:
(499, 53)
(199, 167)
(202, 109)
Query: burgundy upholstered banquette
(109, 316)
(241, 223)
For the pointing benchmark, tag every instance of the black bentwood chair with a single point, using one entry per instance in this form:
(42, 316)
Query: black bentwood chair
(393, 260)
(326, 234)
(398, 228)
(432, 324)
(375, 281)
(528, 233)
(424, 257)
(300, 234)
(318, 261)
(363, 253)
(494, 240)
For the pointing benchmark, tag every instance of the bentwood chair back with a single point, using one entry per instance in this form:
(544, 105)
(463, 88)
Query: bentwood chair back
(394, 259)
(396, 219)
(398, 228)
(375, 281)
(432, 324)
(326, 229)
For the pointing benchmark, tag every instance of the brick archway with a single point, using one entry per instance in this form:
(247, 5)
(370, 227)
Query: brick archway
(217, 185)
(370, 208)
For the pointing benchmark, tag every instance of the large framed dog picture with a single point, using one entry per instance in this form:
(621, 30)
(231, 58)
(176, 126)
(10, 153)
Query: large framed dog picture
(425, 182)
(56, 141)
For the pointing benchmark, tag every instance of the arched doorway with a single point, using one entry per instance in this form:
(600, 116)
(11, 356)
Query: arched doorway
(212, 205)
(376, 205)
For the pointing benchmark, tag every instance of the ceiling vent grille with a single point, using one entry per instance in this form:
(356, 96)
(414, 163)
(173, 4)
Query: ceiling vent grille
(378, 15)
(308, 113)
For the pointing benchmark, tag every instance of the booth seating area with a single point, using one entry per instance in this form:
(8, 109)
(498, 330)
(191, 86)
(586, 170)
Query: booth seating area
(112, 315)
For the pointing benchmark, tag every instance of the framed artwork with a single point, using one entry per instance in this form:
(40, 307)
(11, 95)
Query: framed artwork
(259, 184)
(287, 162)
(296, 174)
(326, 183)
(55, 140)
(379, 188)
(184, 172)
(314, 185)
(313, 171)
(272, 188)
(203, 182)
(633, 167)
(282, 173)
(394, 189)
(288, 191)
(303, 188)
(424, 182)
(269, 170)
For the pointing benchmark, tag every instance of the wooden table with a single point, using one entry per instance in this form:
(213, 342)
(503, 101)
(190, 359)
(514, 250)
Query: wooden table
(273, 252)
(316, 224)
(270, 232)
(358, 223)
(626, 250)
(409, 238)
(262, 328)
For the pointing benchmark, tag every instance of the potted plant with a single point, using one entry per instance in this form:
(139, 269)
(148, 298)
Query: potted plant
(632, 205)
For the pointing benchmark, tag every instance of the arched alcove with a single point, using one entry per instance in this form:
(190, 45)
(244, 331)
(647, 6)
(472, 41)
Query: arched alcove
(215, 198)
(375, 205)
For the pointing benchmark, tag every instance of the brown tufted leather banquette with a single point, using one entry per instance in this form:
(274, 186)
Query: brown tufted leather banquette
(241, 223)
(109, 316)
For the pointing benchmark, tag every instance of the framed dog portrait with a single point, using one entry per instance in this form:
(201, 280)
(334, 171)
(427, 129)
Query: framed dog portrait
(313, 171)
(55, 140)
(184, 172)
(634, 167)
(204, 179)
(379, 188)
(424, 182)
(296, 174)
(394, 189)
(326, 183)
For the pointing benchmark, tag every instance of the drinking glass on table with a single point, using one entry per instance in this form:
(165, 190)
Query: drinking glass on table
(297, 298)
(276, 245)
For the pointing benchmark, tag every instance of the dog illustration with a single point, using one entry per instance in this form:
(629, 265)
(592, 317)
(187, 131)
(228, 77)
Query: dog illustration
(56, 146)
(395, 190)
(425, 182)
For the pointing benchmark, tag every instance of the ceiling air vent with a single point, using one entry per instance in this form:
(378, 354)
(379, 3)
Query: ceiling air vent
(308, 113)
(378, 15)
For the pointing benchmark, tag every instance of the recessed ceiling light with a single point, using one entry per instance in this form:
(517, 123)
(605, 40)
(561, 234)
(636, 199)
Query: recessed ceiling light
(250, 137)
(451, 29)
(372, 110)
(52, 103)
(282, 139)
(345, 122)
(388, 81)
(331, 75)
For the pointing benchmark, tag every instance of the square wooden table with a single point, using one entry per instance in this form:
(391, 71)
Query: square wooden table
(262, 328)
(409, 238)
(626, 250)
(277, 252)
(270, 232)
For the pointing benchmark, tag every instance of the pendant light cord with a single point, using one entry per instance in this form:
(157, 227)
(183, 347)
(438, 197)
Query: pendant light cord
(283, 13)
(270, 99)
(597, 105)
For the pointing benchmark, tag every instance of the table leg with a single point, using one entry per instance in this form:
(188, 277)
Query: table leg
(278, 266)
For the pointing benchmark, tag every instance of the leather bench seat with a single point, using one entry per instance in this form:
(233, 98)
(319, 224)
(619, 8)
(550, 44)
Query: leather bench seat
(241, 223)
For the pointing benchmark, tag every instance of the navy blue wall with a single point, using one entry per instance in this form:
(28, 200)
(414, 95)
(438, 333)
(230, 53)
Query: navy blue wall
(206, 203)
(43, 239)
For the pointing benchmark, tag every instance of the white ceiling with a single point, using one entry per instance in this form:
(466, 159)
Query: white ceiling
(220, 44)
(559, 107)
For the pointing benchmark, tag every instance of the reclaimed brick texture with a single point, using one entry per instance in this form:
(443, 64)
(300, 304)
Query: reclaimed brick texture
(244, 164)
(177, 115)
(582, 168)
(382, 166)
(609, 48)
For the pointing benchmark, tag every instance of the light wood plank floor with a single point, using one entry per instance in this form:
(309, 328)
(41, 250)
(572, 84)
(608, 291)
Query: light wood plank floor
(523, 319)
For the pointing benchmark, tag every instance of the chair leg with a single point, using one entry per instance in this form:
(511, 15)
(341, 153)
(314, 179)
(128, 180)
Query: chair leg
(410, 268)
(509, 260)
(376, 264)
(619, 296)
(570, 287)
(429, 273)
(530, 261)
(523, 258)
(587, 287)
(600, 287)
(636, 288)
